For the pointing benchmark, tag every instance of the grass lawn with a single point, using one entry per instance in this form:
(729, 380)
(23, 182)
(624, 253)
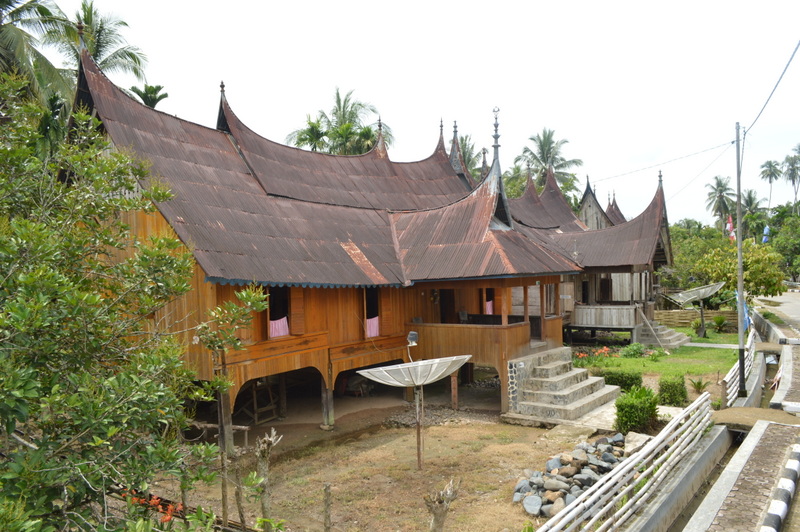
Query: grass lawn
(712, 337)
(684, 361)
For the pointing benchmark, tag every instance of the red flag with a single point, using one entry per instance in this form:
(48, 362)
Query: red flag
(729, 229)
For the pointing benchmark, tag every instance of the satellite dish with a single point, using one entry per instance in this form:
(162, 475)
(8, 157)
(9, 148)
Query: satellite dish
(416, 374)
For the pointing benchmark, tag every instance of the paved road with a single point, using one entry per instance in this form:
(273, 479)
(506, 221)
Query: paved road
(787, 306)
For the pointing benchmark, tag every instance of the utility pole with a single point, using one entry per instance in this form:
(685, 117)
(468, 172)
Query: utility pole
(740, 268)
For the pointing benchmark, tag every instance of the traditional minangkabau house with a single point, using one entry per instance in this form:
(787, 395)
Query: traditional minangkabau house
(620, 260)
(354, 251)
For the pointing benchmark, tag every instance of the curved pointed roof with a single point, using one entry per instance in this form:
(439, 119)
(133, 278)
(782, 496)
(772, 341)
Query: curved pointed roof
(548, 210)
(639, 242)
(590, 212)
(370, 180)
(241, 233)
(614, 213)
(464, 239)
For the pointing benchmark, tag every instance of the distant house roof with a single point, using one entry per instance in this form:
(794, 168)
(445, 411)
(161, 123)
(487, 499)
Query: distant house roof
(252, 210)
(613, 212)
(548, 210)
(639, 242)
(590, 212)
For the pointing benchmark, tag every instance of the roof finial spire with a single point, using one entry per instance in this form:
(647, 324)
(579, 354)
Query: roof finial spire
(659, 177)
(496, 135)
(222, 87)
(380, 125)
(441, 127)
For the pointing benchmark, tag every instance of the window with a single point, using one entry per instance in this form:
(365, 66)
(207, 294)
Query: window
(371, 304)
(278, 311)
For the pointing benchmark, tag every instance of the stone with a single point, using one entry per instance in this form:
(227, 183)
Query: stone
(618, 439)
(579, 455)
(555, 485)
(584, 480)
(565, 458)
(553, 463)
(528, 473)
(551, 496)
(610, 458)
(557, 507)
(634, 441)
(523, 486)
(518, 496)
(601, 441)
(537, 482)
(532, 504)
(604, 448)
(569, 498)
(545, 511)
(568, 471)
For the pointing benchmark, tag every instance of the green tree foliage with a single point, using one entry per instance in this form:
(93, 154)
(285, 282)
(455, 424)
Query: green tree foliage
(791, 172)
(545, 154)
(471, 156)
(763, 275)
(691, 241)
(343, 130)
(102, 35)
(786, 241)
(91, 398)
(770, 172)
(721, 200)
(150, 94)
(20, 23)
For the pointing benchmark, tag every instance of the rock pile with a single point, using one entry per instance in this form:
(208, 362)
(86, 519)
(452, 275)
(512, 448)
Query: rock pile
(569, 474)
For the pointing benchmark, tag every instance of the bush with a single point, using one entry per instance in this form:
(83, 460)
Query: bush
(720, 323)
(672, 391)
(696, 324)
(636, 410)
(625, 379)
(633, 350)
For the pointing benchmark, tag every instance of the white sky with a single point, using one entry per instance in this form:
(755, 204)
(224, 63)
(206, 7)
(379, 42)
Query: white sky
(631, 85)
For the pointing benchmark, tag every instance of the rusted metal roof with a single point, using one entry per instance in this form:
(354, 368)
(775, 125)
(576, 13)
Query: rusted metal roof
(614, 213)
(639, 242)
(370, 180)
(548, 210)
(459, 241)
(251, 210)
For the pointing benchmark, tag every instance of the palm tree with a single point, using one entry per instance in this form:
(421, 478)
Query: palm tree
(791, 172)
(103, 38)
(547, 154)
(514, 181)
(753, 220)
(18, 53)
(470, 156)
(150, 94)
(343, 130)
(720, 199)
(770, 172)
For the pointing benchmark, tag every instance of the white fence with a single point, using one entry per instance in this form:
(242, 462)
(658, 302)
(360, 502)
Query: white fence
(731, 381)
(620, 493)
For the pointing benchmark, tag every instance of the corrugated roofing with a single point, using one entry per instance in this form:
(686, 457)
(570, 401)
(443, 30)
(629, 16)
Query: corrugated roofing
(639, 242)
(549, 210)
(614, 213)
(240, 232)
(370, 180)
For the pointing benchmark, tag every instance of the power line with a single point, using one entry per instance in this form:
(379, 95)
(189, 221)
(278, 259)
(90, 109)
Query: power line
(701, 172)
(665, 162)
(775, 87)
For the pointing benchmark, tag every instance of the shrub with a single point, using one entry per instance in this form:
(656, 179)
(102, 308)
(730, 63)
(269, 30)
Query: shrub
(699, 385)
(636, 410)
(672, 391)
(633, 350)
(720, 323)
(696, 324)
(625, 379)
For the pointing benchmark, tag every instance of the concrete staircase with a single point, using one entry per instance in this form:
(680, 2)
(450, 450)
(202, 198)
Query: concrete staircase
(544, 389)
(662, 335)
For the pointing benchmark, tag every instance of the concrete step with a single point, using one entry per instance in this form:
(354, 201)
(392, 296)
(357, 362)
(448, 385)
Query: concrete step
(534, 413)
(557, 382)
(552, 369)
(565, 396)
(543, 358)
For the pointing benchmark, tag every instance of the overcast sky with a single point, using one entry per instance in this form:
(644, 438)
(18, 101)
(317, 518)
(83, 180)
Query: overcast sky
(635, 87)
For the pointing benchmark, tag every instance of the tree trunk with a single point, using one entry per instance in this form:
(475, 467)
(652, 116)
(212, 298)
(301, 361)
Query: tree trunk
(438, 504)
(263, 451)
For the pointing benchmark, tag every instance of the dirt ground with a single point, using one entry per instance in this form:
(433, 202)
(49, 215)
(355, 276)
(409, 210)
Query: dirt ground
(370, 462)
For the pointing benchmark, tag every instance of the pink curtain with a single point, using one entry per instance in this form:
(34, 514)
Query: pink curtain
(489, 307)
(279, 327)
(373, 327)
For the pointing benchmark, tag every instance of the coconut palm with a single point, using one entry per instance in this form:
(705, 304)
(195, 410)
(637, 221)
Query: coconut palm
(753, 219)
(546, 153)
(470, 156)
(150, 94)
(19, 21)
(720, 200)
(791, 172)
(770, 172)
(343, 130)
(102, 35)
